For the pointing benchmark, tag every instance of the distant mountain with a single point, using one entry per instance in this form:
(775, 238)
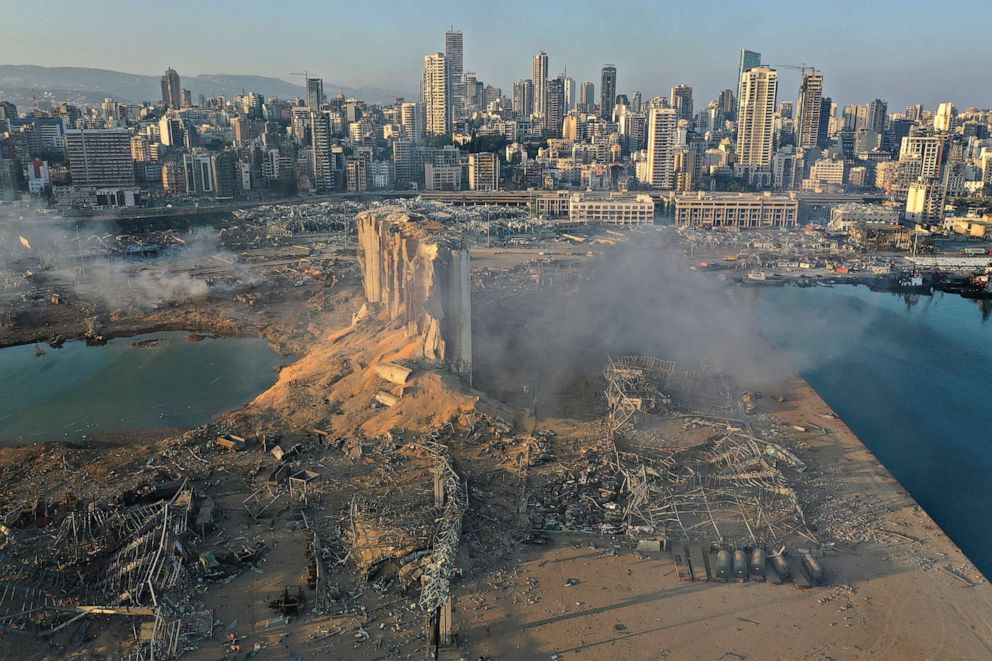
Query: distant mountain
(20, 82)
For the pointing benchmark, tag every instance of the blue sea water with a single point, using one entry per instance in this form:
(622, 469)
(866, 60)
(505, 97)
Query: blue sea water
(79, 392)
(912, 377)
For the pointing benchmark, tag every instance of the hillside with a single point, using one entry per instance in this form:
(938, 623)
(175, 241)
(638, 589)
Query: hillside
(19, 82)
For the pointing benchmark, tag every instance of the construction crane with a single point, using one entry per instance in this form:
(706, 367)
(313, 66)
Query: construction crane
(306, 85)
(801, 68)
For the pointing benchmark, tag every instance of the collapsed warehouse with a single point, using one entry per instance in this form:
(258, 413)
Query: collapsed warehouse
(372, 478)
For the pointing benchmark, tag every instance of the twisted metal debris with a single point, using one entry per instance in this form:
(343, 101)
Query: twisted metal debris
(437, 576)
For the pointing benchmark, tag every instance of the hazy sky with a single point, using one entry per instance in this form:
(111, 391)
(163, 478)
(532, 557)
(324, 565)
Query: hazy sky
(902, 51)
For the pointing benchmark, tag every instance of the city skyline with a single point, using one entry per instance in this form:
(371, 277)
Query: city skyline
(670, 46)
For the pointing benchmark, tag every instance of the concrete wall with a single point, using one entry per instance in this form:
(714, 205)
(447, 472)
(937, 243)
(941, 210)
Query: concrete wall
(419, 275)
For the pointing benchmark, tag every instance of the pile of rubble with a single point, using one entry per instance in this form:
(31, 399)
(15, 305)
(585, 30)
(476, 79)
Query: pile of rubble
(585, 496)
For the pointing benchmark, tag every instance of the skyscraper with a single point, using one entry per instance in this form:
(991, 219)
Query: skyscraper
(727, 104)
(826, 113)
(555, 112)
(662, 132)
(453, 55)
(539, 74)
(315, 93)
(587, 96)
(403, 162)
(470, 98)
(523, 97)
(569, 93)
(172, 93)
(682, 101)
(435, 93)
(320, 144)
(635, 102)
(749, 60)
(878, 111)
(809, 109)
(412, 121)
(608, 91)
(756, 116)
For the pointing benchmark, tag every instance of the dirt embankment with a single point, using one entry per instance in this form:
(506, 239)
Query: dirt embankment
(289, 319)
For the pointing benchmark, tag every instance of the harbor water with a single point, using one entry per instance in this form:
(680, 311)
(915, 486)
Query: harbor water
(910, 375)
(154, 381)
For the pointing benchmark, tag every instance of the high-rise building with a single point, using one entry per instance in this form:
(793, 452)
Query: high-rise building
(240, 126)
(898, 129)
(915, 112)
(875, 127)
(662, 133)
(569, 93)
(928, 150)
(403, 162)
(222, 170)
(925, 202)
(7, 110)
(412, 121)
(554, 115)
(435, 93)
(682, 101)
(470, 101)
(826, 114)
(635, 102)
(943, 119)
(320, 146)
(877, 114)
(483, 172)
(809, 110)
(99, 157)
(315, 93)
(454, 57)
(140, 150)
(608, 91)
(492, 97)
(523, 98)
(172, 94)
(727, 105)
(171, 131)
(539, 74)
(756, 116)
(749, 60)
(356, 174)
(587, 96)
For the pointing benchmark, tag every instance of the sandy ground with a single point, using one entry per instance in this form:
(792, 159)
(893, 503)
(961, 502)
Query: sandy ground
(894, 600)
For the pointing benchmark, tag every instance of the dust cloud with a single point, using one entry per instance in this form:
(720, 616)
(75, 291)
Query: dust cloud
(639, 298)
(91, 261)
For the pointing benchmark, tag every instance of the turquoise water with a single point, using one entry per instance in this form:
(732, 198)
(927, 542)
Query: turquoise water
(79, 392)
(912, 377)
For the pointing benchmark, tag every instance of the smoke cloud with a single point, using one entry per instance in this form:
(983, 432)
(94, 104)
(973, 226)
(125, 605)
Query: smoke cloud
(93, 262)
(641, 297)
